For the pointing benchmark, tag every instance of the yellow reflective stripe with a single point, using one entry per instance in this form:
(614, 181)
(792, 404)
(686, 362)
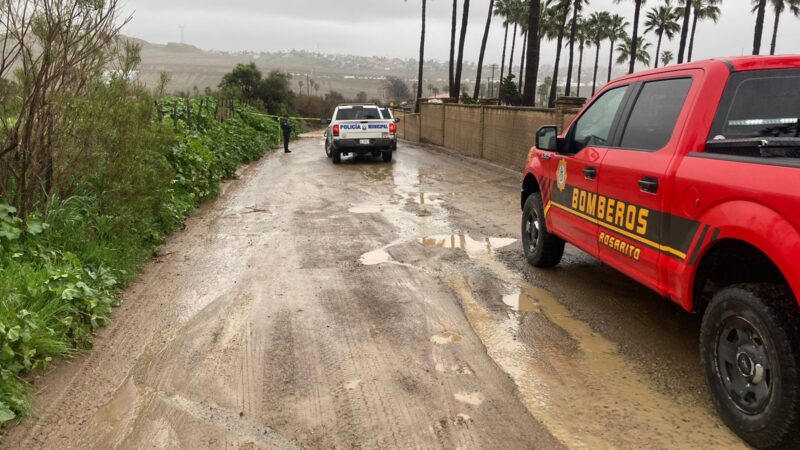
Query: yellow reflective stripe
(645, 241)
(547, 208)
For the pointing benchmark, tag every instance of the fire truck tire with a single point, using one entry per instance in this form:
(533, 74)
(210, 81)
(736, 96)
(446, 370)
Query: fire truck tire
(541, 248)
(750, 352)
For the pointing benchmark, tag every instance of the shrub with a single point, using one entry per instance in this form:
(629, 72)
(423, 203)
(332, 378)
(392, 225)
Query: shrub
(134, 179)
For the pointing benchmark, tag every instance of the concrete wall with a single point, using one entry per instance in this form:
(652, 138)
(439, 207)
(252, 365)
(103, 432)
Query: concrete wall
(432, 124)
(502, 135)
(462, 132)
(509, 133)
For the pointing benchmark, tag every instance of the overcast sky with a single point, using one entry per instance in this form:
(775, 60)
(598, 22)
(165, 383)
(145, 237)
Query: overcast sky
(391, 27)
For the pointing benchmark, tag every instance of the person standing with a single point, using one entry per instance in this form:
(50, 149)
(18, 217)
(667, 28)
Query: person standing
(286, 127)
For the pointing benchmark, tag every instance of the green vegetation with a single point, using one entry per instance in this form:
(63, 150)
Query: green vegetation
(62, 267)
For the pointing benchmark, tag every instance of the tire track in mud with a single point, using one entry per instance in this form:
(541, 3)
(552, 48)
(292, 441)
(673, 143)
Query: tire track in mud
(262, 330)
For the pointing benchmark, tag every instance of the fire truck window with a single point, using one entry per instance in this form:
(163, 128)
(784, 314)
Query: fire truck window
(594, 126)
(762, 105)
(655, 113)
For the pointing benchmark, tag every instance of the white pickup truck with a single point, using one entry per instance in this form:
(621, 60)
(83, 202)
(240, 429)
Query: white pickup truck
(360, 129)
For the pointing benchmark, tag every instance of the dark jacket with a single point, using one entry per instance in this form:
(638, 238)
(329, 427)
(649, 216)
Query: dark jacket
(286, 126)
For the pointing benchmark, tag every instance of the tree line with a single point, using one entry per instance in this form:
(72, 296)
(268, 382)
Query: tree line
(570, 25)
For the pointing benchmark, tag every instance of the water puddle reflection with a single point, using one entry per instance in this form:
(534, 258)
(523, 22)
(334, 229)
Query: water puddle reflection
(464, 242)
(521, 301)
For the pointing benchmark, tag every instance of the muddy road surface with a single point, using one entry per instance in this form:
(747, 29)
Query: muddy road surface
(373, 305)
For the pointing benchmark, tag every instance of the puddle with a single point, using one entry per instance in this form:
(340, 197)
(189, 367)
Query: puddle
(375, 257)
(464, 242)
(592, 397)
(366, 209)
(352, 385)
(445, 337)
(522, 301)
(470, 398)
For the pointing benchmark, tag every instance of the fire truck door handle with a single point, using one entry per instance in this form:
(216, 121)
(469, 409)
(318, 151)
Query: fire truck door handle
(590, 173)
(649, 185)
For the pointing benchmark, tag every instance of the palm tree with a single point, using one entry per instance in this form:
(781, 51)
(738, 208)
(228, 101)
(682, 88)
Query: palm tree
(534, 42)
(779, 6)
(460, 60)
(662, 20)
(642, 55)
(597, 26)
(760, 9)
(514, 13)
(421, 56)
(453, 45)
(483, 50)
(561, 11)
(634, 40)
(503, 9)
(522, 18)
(687, 14)
(615, 31)
(581, 37)
(577, 7)
(667, 57)
(703, 9)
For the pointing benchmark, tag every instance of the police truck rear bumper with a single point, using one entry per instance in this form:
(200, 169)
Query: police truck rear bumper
(356, 146)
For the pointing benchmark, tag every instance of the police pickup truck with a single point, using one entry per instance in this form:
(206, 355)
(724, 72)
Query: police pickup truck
(687, 179)
(360, 129)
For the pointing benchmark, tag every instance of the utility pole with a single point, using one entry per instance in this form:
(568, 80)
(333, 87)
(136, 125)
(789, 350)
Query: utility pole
(491, 83)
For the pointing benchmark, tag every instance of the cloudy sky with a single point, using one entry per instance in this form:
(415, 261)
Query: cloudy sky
(391, 27)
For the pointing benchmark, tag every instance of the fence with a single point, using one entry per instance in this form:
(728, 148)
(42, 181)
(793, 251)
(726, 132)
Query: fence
(502, 135)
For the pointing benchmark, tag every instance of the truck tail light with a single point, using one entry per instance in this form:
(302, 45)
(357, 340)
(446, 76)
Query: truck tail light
(392, 128)
(336, 130)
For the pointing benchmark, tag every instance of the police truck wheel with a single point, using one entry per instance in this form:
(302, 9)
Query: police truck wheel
(328, 150)
(542, 249)
(750, 352)
(387, 157)
(337, 156)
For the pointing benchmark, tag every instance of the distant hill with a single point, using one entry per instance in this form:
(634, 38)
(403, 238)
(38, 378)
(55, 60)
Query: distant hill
(190, 67)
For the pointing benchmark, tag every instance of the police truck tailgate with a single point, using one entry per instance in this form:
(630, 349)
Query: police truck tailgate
(364, 129)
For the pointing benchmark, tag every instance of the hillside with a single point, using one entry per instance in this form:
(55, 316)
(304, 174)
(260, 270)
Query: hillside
(191, 67)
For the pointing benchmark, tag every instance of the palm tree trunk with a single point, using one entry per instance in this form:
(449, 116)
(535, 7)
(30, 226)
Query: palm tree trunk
(610, 61)
(559, 43)
(532, 69)
(635, 36)
(658, 48)
(580, 67)
(460, 60)
(573, 30)
(483, 50)
(421, 57)
(775, 33)
(522, 63)
(691, 39)
(503, 59)
(762, 6)
(453, 46)
(513, 44)
(687, 13)
(596, 65)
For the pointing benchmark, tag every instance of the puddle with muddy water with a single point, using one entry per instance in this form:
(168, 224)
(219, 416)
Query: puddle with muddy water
(464, 242)
(575, 381)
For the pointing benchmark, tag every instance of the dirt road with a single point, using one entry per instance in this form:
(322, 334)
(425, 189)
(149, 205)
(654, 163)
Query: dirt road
(373, 305)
